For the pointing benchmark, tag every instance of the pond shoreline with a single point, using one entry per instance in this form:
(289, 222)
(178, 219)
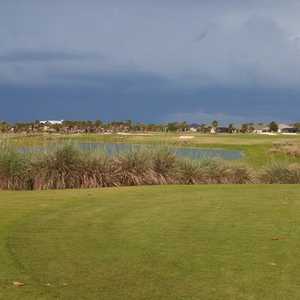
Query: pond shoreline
(119, 148)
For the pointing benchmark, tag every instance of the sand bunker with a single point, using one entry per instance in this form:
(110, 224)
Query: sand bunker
(186, 137)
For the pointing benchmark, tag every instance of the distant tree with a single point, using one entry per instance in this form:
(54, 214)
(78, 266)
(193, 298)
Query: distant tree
(230, 128)
(297, 125)
(129, 123)
(251, 127)
(4, 127)
(215, 124)
(202, 128)
(244, 128)
(183, 126)
(273, 126)
(172, 126)
(98, 123)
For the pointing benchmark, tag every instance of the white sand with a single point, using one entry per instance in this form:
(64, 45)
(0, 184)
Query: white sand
(186, 137)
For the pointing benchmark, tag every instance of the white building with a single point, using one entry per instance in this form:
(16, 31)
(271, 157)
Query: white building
(284, 127)
(193, 129)
(52, 122)
(261, 129)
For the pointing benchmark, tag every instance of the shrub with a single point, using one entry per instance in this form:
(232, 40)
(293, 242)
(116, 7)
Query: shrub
(68, 167)
(164, 161)
(237, 174)
(14, 170)
(189, 172)
(224, 172)
(60, 169)
(281, 173)
(99, 171)
(145, 166)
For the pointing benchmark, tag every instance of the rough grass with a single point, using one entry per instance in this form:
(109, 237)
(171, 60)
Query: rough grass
(280, 172)
(163, 242)
(68, 167)
(287, 148)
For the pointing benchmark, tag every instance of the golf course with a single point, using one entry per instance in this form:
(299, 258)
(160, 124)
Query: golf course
(150, 150)
(159, 242)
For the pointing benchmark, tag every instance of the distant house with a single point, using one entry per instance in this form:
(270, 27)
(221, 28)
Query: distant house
(284, 128)
(52, 122)
(222, 130)
(261, 129)
(194, 127)
(289, 130)
(235, 128)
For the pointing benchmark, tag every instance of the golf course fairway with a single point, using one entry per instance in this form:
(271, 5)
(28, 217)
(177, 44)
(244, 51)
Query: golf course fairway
(159, 242)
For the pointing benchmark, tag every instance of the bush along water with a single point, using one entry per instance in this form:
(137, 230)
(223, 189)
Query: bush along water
(68, 167)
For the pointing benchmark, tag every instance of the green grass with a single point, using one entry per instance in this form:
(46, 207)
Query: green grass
(162, 242)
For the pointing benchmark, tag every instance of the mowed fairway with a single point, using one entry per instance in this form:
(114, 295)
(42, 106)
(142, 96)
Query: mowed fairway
(162, 242)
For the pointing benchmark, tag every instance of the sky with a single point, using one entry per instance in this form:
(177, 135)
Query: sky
(150, 60)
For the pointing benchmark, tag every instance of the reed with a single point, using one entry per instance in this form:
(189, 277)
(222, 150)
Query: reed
(281, 172)
(67, 167)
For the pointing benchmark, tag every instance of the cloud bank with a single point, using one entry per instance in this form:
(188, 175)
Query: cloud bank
(150, 60)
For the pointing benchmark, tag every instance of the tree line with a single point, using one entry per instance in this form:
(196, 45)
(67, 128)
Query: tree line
(98, 126)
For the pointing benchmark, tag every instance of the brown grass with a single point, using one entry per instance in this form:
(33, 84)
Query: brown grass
(68, 167)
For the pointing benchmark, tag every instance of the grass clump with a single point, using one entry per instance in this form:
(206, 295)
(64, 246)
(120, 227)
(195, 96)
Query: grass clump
(280, 172)
(216, 171)
(59, 169)
(14, 169)
(68, 167)
(189, 172)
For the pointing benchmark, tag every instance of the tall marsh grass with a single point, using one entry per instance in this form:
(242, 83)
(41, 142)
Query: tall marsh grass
(67, 166)
(281, 172)
(14, 169)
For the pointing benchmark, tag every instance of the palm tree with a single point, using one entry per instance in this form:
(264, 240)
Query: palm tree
(215, 124)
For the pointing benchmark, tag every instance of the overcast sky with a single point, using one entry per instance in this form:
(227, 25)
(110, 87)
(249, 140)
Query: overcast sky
(163, 60)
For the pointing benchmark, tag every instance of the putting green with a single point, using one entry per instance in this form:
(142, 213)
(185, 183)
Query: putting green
(164, 242)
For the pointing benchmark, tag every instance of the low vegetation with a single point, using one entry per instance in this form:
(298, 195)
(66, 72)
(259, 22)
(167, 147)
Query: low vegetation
(279, 172)
(68, 167)
(287, 148)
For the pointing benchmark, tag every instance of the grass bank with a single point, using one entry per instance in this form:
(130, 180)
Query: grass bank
(163, 242)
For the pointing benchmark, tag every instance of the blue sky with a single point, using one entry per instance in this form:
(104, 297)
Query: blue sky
(152, 61)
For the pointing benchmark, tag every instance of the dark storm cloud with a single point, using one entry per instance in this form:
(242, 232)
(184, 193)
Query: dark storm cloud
(155, 60)
(25, 56)
(146, 98)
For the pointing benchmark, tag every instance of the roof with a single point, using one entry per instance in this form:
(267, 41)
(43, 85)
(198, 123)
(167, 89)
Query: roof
(52, 122)
(282, 126)
(260, 126)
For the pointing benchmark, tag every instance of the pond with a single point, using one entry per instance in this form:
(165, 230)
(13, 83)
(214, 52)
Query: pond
(117, 148)
(192, 153)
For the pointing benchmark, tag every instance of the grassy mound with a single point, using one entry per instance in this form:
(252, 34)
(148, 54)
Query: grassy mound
(163, 242)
